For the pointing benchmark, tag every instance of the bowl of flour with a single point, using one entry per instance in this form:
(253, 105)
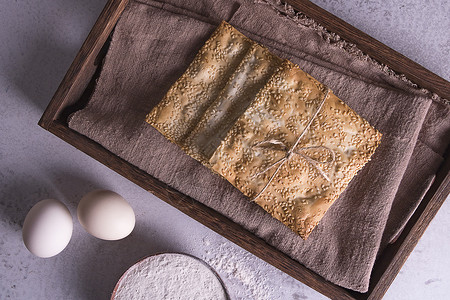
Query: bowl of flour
(170, 276)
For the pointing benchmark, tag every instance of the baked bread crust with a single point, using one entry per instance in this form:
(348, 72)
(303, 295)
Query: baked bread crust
(273, 131)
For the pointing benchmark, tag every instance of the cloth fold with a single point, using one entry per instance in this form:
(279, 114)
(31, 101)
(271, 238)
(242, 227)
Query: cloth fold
(152, 46)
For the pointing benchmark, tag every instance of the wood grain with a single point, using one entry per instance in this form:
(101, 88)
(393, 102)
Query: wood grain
(80, 78)
(84, 65)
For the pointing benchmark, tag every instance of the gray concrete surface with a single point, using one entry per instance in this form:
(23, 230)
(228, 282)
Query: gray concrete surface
(39, 41)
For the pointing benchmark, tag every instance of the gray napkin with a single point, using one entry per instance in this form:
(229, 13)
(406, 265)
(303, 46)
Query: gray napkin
(151, 47)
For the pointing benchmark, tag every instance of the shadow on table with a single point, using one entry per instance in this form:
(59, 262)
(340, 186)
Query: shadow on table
(49, 45)
(96, 265)
(20, 194)
(106, 262)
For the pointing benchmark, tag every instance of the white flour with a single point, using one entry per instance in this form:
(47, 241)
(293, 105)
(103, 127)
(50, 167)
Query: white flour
(235, 267)
(247, 277)
(169, 276)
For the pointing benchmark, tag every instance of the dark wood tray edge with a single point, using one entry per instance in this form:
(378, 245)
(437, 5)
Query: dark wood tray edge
(201, 213)
(419, 75)
(390, 262)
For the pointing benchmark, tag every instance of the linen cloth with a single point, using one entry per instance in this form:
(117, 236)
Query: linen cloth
(152, 45)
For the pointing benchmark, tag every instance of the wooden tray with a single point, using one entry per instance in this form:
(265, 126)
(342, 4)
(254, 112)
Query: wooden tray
(79, 81)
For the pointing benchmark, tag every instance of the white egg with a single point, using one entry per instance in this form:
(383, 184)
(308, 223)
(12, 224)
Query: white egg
(106, 215)
(47, 228)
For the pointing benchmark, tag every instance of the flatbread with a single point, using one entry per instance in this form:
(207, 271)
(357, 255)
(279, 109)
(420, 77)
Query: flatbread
(273, 131)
